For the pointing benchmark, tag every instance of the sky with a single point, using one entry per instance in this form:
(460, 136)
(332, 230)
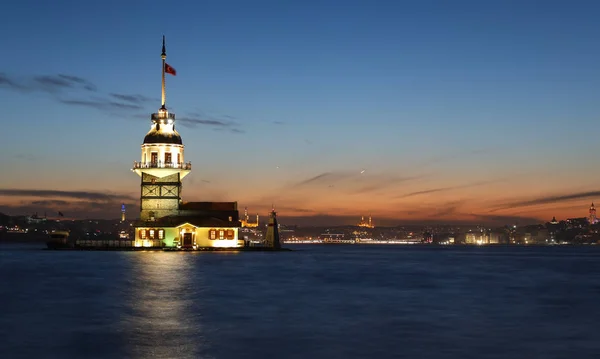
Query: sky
(409, 111)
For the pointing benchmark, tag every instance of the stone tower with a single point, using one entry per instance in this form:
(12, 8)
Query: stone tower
(162, 165)
(272, 237)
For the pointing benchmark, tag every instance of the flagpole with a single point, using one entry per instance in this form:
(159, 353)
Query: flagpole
(164, 57)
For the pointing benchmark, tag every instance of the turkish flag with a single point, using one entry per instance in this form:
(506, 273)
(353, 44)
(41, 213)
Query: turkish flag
(170, 70)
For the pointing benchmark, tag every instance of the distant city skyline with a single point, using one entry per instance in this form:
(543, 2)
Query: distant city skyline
(467, 112)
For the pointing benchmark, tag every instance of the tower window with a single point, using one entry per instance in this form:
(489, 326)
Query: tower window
(168, 158)
(178, 159)
(154, 158)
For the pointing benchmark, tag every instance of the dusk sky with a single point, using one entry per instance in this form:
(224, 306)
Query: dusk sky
(470, 111)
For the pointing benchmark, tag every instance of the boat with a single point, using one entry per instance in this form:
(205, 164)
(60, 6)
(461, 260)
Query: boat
(59, 239)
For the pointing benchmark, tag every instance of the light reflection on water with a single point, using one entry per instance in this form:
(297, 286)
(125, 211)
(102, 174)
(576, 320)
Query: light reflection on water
(165, 308)
(316, 302)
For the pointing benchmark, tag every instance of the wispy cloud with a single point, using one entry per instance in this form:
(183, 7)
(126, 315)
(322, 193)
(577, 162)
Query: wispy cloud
(133, 98)
(7, 82)
(445, 189)
(385, 182)
(54, 83)
(66, 89)
(550, 199)
(102, 105)
(217, 123)
(50, 202)
(81, 195)
(314, 179)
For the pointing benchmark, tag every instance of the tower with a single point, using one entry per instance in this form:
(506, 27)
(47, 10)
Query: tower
(272, 237)
(162, 166)
(122, 212)
(592, 218)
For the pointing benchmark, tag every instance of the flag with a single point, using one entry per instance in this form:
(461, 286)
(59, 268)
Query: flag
(170, 70)
(60, 214)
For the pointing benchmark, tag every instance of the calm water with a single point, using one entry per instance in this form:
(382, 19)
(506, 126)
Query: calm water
(317, 302)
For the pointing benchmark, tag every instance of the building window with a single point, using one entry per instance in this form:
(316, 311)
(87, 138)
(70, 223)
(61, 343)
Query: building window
(168, 158)
(221, 234)
(212, 234)
(142, 233)
(178, 159)
(154, 158)
(161, 234)
(151, 234)
(230, 234)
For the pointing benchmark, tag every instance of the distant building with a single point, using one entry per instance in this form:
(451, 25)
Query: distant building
(366, 224)
(122, 212)
(592, 214)
(245, 222)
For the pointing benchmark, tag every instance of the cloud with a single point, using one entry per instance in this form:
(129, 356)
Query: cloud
(62, 86)
(50, 202)
(314, 179)
(10, 83)
(382, 184)
(133, 98)
(80, 195)
(54, 83)
(444, 189)
(197, 119)
(550, 199)
(102, 105)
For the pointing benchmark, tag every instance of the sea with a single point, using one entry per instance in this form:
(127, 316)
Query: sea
(317, 301)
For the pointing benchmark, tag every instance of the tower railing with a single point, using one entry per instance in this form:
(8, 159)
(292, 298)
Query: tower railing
(161, 164)
(157, 117)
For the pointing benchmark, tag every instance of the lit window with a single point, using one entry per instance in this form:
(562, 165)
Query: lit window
(161, 234)
(230, 234)
(213, 234)
(151, 234)
(142, 233)
(221, 234)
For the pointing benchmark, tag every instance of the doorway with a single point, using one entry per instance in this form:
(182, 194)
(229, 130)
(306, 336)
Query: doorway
(187, 239)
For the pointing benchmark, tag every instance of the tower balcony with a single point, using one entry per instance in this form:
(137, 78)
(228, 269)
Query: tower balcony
(162, 169)
(160, 164)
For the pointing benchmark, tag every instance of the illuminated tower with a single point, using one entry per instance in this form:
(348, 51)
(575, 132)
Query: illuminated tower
(272, 237)
(123, 212)
(592, 218)
(162, 165)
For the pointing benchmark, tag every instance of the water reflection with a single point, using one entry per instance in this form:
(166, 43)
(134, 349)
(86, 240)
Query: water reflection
(164, 309)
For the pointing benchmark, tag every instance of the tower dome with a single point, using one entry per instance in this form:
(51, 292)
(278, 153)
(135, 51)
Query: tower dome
(163, 134)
